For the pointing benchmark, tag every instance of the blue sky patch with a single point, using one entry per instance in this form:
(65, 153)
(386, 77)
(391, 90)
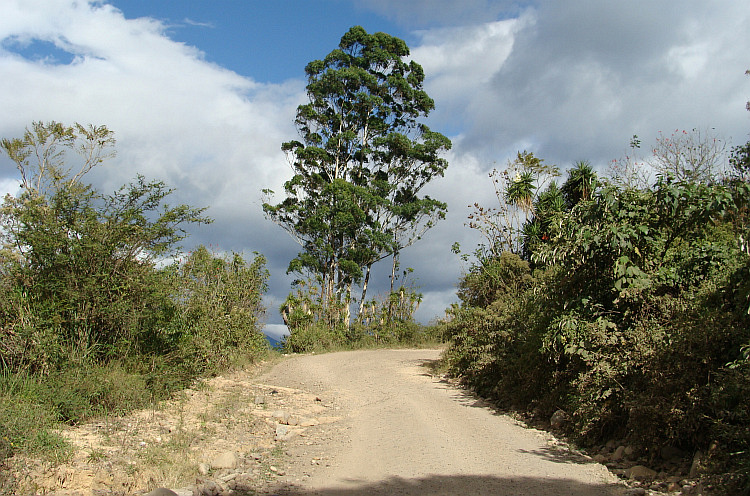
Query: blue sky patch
(38, 51)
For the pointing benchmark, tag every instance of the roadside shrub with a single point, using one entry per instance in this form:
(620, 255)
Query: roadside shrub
(397, 333)
(415, 334)
(492, 278)
(635, 321)
(27, 421)
(91, 325)
(220, 307)
(315, 337)
(78, 393)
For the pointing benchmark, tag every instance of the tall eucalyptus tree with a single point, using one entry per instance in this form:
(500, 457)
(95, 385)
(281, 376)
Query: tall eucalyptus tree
(359, 165)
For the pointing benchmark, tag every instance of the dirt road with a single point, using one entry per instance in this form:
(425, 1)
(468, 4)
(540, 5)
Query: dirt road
(405, 432)
(371, 422)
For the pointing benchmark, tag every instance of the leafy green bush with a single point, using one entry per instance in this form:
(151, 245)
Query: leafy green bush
(493, 278)
(315, 337)
(78, 393)
(91, 326)
(220, 307)
(635, 320)
(496, 349)
(78, 266)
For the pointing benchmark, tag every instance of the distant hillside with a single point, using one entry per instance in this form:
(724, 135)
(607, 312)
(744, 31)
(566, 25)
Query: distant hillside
(275, 343)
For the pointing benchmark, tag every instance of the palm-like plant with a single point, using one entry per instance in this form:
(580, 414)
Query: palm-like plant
(532, 233)
(520, 191)
(581, 183)
(550, 201)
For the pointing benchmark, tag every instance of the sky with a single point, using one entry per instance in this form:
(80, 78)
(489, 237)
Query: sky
(201, 94)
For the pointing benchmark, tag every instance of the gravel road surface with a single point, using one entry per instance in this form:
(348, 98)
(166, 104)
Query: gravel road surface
(404, 431)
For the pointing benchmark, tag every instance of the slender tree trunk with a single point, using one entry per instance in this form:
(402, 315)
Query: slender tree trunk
(393, 269)
(330, 287)
(393, 280)
(347, 307)
(364, 290)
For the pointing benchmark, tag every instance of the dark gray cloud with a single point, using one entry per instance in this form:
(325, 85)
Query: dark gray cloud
(582, 77)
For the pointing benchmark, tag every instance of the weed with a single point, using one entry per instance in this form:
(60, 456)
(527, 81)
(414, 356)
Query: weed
(97, 455)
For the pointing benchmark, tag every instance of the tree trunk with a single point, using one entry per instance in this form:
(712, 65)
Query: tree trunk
(393, 280)
(347, 307)
(364, 290)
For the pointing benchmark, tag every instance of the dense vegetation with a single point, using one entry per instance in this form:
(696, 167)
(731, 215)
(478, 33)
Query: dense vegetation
(625, 303)
(95, 319)
(383, 321)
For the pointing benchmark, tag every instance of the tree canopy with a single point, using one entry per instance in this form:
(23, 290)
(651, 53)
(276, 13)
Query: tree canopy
(362, 158)
(79, 264)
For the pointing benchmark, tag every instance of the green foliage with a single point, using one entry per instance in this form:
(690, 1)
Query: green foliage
(634, 319)
(354, 197)
(26, 422)
(78, 265)
(390, 319)
(387, 320)
(739, 162)
(91, 325)
(580, 185)
(309, 319)
(494, 278)
(517, 189)
(315, 337)
(489, 346)
(220, 306)
(85, 271)
(80, 393)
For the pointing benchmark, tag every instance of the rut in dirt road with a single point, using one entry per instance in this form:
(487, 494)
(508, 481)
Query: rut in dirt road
(406, 432)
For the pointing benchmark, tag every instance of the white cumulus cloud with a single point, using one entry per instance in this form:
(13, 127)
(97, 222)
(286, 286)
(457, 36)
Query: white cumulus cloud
(567, 80)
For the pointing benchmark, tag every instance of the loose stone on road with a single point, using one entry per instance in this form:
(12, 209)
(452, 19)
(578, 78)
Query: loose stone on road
(403, 431)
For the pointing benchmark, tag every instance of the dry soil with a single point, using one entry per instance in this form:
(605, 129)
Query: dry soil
(406, 431)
